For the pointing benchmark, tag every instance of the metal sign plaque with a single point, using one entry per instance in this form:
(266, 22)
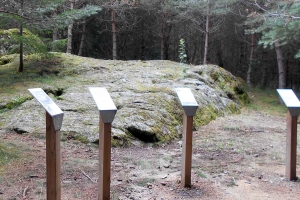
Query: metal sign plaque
(104, 103)
(51, 108)
(290, 100)
(187, 101)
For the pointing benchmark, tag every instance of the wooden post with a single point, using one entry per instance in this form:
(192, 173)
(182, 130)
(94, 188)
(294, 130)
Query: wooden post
(107, 111)
(190, 107)
(187, 151)
(291, 147)
(54, 118)
(52, 160)
(104, 160)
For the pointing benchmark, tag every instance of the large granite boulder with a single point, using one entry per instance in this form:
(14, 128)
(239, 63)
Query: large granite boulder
(143, 92)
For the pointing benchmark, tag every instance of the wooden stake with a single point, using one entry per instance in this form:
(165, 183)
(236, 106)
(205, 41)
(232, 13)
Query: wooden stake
(291, 147)
(187, 151)
(52, 160)
(104, 160)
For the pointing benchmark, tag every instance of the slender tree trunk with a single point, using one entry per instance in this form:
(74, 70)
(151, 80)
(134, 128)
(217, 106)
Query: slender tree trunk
(194, 53)
(281, 65)
(113, 30)
(70, 28)
(206, 41)
(251, 61)
(143, 46)
(220, 55)
(83, 36)
(163, 37)
(55, 31)
(264, 71)
(21, 65)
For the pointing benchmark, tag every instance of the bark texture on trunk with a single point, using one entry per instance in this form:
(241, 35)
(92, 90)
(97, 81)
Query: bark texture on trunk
(113, 30)
(55, 31)
(70, 28)
(281, 65)
(83, 36)
(206, 41)
(21, 65)
(251, 61)
(163, 37)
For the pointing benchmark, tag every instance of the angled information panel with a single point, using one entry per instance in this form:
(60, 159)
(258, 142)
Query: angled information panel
(104, 103)
(290, 100)
(51, 108)
(187, 101)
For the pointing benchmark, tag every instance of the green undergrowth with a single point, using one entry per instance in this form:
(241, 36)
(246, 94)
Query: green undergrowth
(14, 103)
(38, 71)
(48, 72)
(265, 100)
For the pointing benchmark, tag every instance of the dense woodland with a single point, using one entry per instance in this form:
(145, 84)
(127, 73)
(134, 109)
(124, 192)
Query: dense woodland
(257, 40)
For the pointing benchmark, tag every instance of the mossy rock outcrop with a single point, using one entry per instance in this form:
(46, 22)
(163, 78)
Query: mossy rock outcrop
(143, 91)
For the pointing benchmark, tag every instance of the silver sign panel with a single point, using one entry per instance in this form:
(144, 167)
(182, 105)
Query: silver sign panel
(187, 101)
(51, 108)
(290, 100)
(104, 103)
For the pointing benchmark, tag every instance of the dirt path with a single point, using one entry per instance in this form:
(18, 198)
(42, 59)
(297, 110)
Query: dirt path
(234, 157)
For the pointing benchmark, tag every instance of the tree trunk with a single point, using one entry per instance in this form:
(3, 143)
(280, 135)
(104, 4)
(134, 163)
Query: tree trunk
(83, 36)
(206, 41)
(251, 61)
(264, 71)
(55, 31)
(163, 37)
(21, 65)
(113, 30)
(220, 55)
(281, 66)
(70, 27)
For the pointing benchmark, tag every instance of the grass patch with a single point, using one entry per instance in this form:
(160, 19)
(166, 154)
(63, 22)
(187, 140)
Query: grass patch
(38, 72)
(265, 100)
(16, 102)
(201, 174)
(8, 152)
(144, 182)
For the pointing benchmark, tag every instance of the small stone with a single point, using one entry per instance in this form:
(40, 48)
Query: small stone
(149, 185)
(166, 165)
(164, 177)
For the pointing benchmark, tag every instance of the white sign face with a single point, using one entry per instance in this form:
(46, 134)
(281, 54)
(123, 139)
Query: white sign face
(289, 97)
(104, 103)
(46, 101)
(102, 98)
(186, 97)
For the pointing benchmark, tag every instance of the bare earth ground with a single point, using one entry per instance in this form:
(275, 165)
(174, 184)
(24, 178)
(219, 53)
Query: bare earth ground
(234, 157)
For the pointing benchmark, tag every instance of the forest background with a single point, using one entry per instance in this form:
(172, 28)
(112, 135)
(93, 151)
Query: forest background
(257, 40)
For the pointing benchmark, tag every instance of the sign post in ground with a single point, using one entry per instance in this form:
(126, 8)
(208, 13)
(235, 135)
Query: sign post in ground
(54, 118)
(190, 106)
(107, 111)
(292, 103)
